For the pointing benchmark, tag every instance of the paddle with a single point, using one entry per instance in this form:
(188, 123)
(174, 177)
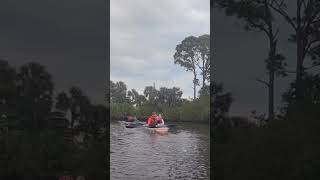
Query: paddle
(135, 124)
(170, 125)
(130, 126)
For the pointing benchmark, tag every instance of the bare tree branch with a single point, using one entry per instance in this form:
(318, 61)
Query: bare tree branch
(304, 4)
(263, 82)
(312, 18)
(313, 66)
(292, 72)
(276, 33)
(279, 9)
(316, 21)
(308, 46)
(259, 26)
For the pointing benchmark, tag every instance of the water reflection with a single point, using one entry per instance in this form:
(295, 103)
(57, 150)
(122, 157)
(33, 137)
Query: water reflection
(181, 154)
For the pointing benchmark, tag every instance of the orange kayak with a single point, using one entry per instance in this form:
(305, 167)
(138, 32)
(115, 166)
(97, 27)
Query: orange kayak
(161, 130)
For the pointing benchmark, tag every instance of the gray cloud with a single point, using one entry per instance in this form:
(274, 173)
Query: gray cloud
(144, 35)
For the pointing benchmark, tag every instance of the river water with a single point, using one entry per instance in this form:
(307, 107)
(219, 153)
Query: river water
(183, 153)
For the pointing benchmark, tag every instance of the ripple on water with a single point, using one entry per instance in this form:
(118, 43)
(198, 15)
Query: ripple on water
(140, 155)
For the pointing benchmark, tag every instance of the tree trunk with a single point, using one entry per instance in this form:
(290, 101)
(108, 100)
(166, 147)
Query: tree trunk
(194, 88)
(271, 95)
(194, 84)
(271, 68)
(272, 55)
(299, 68)
(203, 71)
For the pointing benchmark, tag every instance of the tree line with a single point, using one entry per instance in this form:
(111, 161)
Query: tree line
(164, 100)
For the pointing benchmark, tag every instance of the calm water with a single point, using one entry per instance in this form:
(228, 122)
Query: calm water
(183, 153)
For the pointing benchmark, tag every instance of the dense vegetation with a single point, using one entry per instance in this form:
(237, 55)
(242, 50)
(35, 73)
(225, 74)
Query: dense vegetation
(37, 137)
(166, 101)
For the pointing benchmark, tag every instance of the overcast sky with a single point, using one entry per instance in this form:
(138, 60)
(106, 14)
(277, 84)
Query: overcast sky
(144, 34)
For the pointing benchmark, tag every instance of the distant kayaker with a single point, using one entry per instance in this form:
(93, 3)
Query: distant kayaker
(151, 122)
(130, 119)
(159, 120)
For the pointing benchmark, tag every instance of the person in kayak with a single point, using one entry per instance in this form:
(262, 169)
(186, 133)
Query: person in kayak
(159, 120)
(151, 122)
(130, 119)
(135, 119)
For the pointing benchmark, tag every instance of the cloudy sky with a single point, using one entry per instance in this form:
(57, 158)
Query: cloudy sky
(143, 37)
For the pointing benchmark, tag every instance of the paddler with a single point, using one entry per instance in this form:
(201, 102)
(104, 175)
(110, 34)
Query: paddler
(159, 120)
(135, 118)
(151, 122)
(130, 119)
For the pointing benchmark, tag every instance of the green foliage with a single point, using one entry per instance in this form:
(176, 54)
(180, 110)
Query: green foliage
(203, 63)
(185, 54)
(145, 110)
(151, 94)
(166, 101)
(118, 92)
(170, 97)
(195, 111)
(193, 54)
(136, 98)
(121, 110)
(172, 113)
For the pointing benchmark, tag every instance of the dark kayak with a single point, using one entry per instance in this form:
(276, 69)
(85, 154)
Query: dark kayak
(134, 124)
(131, 125)
(138, 123)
